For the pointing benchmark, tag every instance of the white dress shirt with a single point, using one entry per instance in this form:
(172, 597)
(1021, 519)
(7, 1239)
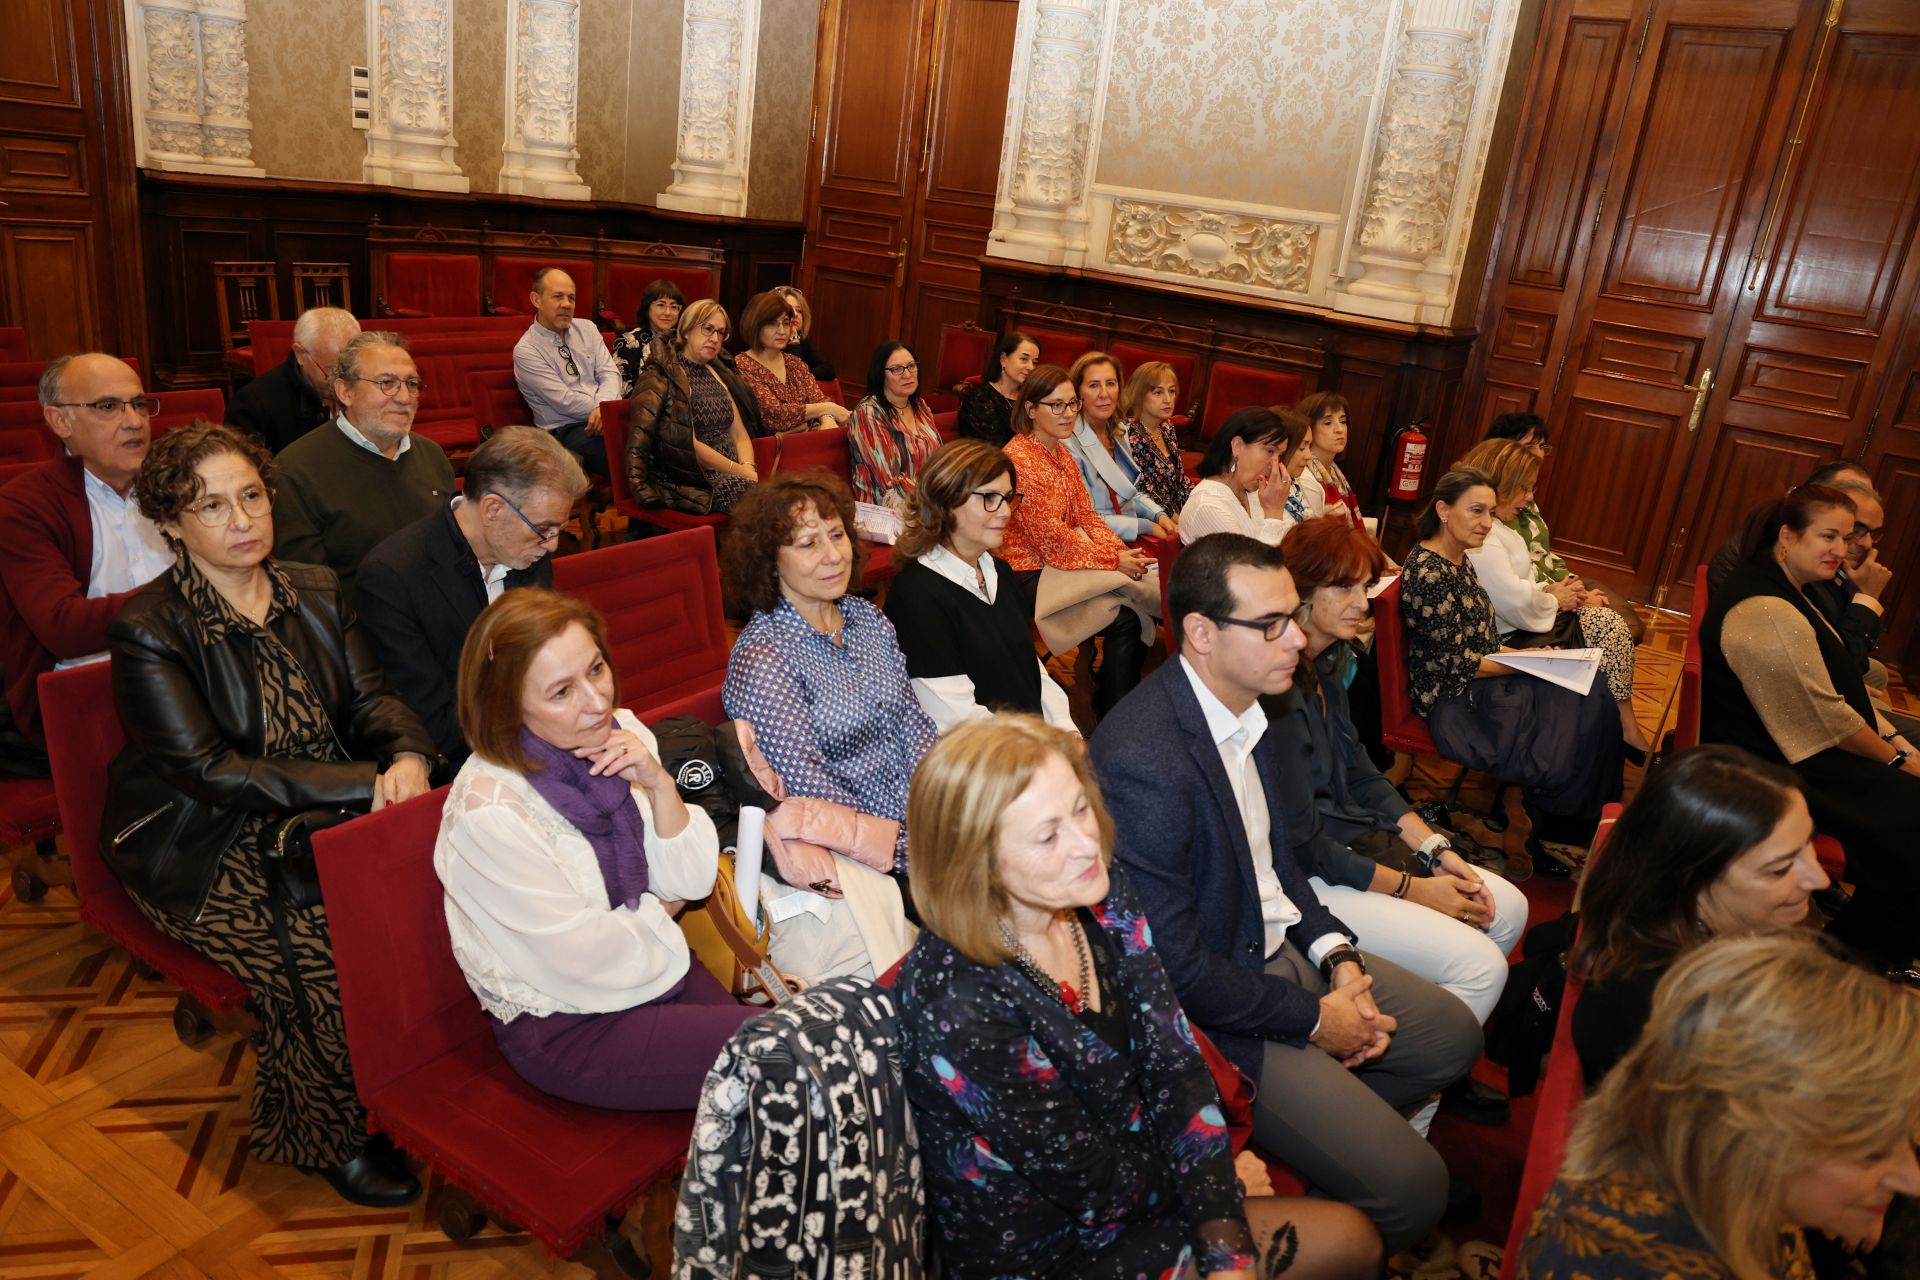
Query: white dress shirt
(354, 434)
(128, 551)
(556, 397)
(1213, 507)
(1235, 737)
(948, 700)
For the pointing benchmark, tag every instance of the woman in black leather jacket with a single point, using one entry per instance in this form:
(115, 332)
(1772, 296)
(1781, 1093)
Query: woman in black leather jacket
(250, 695)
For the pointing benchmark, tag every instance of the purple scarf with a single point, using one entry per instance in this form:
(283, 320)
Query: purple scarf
(601, 809)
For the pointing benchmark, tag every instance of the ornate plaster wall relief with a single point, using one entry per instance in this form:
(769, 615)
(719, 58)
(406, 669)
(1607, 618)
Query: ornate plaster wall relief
(410, 142)
(188, 65)
(719, 57)
(541, 157)
(1224, 248)
(1054, 101)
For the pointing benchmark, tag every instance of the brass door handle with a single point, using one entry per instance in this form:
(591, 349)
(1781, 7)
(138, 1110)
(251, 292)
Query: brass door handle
(1701, 391)
(899, 257)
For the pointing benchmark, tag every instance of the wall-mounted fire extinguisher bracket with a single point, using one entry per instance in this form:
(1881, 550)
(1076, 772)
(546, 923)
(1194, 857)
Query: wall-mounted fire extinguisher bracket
(1407, 453)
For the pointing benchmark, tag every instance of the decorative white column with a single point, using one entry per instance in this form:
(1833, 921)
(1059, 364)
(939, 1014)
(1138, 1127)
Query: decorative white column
(410, 139)
(1403, 266)
(1054, 103)
(543, 81)
(717, 64)
(188, 63)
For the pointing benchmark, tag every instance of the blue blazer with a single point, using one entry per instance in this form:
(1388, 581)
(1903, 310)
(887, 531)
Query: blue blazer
(1178, 832)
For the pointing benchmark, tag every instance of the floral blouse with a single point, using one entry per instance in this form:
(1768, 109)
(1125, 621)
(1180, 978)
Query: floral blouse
(1447, 620)
(783, 405)
(1056, 525)
(1619, 1229)
(630, 353)
(1532, 528)
(837, 722)
(985, 414)
(1055, 1144)
(885, 453)
(1163, 477)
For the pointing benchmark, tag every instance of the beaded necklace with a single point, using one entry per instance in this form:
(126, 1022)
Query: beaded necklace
(1075, 998)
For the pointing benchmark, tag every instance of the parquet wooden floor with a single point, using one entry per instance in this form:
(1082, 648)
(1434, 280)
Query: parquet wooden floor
(123, 1152)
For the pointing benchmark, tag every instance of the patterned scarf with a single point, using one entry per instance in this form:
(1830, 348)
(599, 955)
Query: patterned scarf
(601, 809)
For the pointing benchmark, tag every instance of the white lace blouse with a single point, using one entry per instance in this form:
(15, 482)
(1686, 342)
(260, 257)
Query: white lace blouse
(527, 907)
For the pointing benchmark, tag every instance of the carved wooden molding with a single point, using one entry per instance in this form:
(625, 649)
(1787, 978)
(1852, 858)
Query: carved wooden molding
(188, 68)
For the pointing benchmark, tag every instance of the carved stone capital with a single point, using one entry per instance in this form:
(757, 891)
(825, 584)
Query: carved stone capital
(718, 58)
(189, 72)
(543, 82)
(1060, 50)
(410, 139)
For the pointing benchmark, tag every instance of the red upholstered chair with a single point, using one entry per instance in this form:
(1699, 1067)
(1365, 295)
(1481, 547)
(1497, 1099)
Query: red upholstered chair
(20, 379)
(963, 352)
(13, 344)
(1401, 728)
(826, 447)
(510, 283)
(430, 1075)
(83, 736)
(1165, 552)
(627, 282)
(665, 627)
(1234, 386)
(178, 408)
(831, 390)
(268, 341)
(29, 821)
(613, 418)
(431, 284)
(24, 434)
(497, 401)
(947, 424)
(1132, 355)
(1057, 346)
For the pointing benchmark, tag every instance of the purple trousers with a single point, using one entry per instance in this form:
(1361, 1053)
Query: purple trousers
(652, 1057)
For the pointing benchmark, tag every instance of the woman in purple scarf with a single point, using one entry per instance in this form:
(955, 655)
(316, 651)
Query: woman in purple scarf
(566, 852)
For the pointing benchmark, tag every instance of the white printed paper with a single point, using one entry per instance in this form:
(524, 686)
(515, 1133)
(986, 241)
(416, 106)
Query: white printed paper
(876, 523)
(1386, 580)
(749, 847)
(1569, 668)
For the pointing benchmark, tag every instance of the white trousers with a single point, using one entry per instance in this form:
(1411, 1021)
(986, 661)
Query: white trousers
(1448, 953)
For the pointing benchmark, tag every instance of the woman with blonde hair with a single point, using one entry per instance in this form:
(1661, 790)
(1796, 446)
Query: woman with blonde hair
(1107, 468)
(691, 427)
(1146, 434)
(1069, 1122)
(1772, 1092)
(1531, 614)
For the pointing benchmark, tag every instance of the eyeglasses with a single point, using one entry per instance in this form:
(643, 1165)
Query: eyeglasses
(1269, 628)
(785, 324)
(216, 513)
(390, 385)
(1062, 407)
(108, 406)
(992, 499)
(566, 354)
(714, 330)
(544, 532)
(1862, 533)
(904, 368)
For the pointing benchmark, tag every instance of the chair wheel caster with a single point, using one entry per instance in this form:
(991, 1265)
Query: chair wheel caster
(28, 887)
(460, 1218)
(189, 1025)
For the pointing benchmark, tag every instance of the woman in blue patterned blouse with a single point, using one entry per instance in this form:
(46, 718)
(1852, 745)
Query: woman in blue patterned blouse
(817, 670)
(1069, 1125)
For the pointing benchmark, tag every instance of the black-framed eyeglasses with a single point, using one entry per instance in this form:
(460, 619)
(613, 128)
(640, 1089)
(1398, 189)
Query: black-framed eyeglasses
(573, 370)
(216, 513)
(108, 406)
(1269, 628)
(992, 500)
(544, 532)
(904, 368)
(1061, 407)
(1861, 533)
(390, 385)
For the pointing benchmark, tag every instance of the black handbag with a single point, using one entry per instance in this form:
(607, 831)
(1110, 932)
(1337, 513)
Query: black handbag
(290, 869)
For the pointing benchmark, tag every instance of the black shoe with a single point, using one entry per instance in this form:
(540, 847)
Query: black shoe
(374, 1178)
(1463, 1201)
(1545, 865)
(1475, 1102)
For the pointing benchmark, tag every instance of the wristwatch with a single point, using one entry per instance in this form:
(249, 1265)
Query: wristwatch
(1899, 760)
(1342, 954)
(1428, 854)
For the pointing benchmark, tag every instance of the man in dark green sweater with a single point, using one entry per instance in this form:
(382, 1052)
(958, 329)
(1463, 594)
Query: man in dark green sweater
(344, 486)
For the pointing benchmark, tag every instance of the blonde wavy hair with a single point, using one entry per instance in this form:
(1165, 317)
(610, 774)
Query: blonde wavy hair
(1765, 1055)
(1512, 465)
(960, 791)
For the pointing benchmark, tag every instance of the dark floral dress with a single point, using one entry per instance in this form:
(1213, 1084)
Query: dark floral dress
(1620, 1229)
(1163, 477)
(1058, 1145)
(713, 411)
(1448, 622)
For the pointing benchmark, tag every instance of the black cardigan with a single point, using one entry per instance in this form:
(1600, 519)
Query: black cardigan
(946, 630)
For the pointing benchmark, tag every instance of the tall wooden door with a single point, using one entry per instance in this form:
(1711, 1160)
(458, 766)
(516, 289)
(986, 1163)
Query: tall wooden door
(69, 229)
(909, 101)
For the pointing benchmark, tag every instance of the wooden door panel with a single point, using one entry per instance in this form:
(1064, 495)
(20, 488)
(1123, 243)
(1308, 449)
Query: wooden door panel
(874, 100)
(49, 272)
(1747, 467)
(1610, 525)
(1798, 382)
(36, 57)
(862, 308)
(1896, 474)
(1636, 348)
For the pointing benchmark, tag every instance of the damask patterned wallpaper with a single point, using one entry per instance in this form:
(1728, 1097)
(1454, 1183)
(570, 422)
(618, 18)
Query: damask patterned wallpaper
(652, 93)
(298, 56)
(1258, 101)
(479, 89)
(606, 31)
(782, 108)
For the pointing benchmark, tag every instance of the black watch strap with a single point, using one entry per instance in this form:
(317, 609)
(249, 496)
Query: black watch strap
(1340, 955)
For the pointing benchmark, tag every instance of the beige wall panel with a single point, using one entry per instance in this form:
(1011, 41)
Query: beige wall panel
(653, 99)
(782, 106)
(1258, 101)
(298, 59)
(480, 89)
(606, 31)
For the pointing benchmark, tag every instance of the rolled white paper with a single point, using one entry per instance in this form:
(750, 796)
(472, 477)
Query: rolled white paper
(749, 846)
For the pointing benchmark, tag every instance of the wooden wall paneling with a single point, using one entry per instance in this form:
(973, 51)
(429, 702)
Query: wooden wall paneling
(959, 169)
(1706, 118)
(49, 270)
(869, 104)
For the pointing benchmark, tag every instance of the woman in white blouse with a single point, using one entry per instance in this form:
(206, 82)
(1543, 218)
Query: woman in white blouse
(1525, 609)
(566, 851)
(1246, 476)
(966, 630)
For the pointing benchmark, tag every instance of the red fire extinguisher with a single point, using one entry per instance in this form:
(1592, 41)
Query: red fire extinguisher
(1409, 453)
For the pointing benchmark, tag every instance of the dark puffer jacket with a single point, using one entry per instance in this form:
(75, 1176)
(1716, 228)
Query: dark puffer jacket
(662, 468)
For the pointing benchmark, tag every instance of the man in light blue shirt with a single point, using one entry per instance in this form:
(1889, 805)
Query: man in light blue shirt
(564, 370)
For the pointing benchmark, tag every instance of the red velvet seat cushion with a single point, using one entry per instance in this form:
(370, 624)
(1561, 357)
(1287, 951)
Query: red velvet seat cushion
(432, 284)
(1234, 386)
(627, 282)
(28, 811)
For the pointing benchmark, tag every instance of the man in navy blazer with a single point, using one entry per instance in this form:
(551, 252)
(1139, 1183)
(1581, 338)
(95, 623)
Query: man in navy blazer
(419, 591)
(1341, 1046)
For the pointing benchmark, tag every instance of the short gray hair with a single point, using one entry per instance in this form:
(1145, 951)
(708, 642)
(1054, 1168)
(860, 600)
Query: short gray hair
(50, 392)
(1860, 487)
(317, 322)
(514, 461)
(347, 367)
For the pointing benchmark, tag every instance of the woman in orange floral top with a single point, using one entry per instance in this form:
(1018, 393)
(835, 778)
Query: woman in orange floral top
(1083, 581)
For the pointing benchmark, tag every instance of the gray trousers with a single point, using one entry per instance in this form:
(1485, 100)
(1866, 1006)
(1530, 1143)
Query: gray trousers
(1344, 1131)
